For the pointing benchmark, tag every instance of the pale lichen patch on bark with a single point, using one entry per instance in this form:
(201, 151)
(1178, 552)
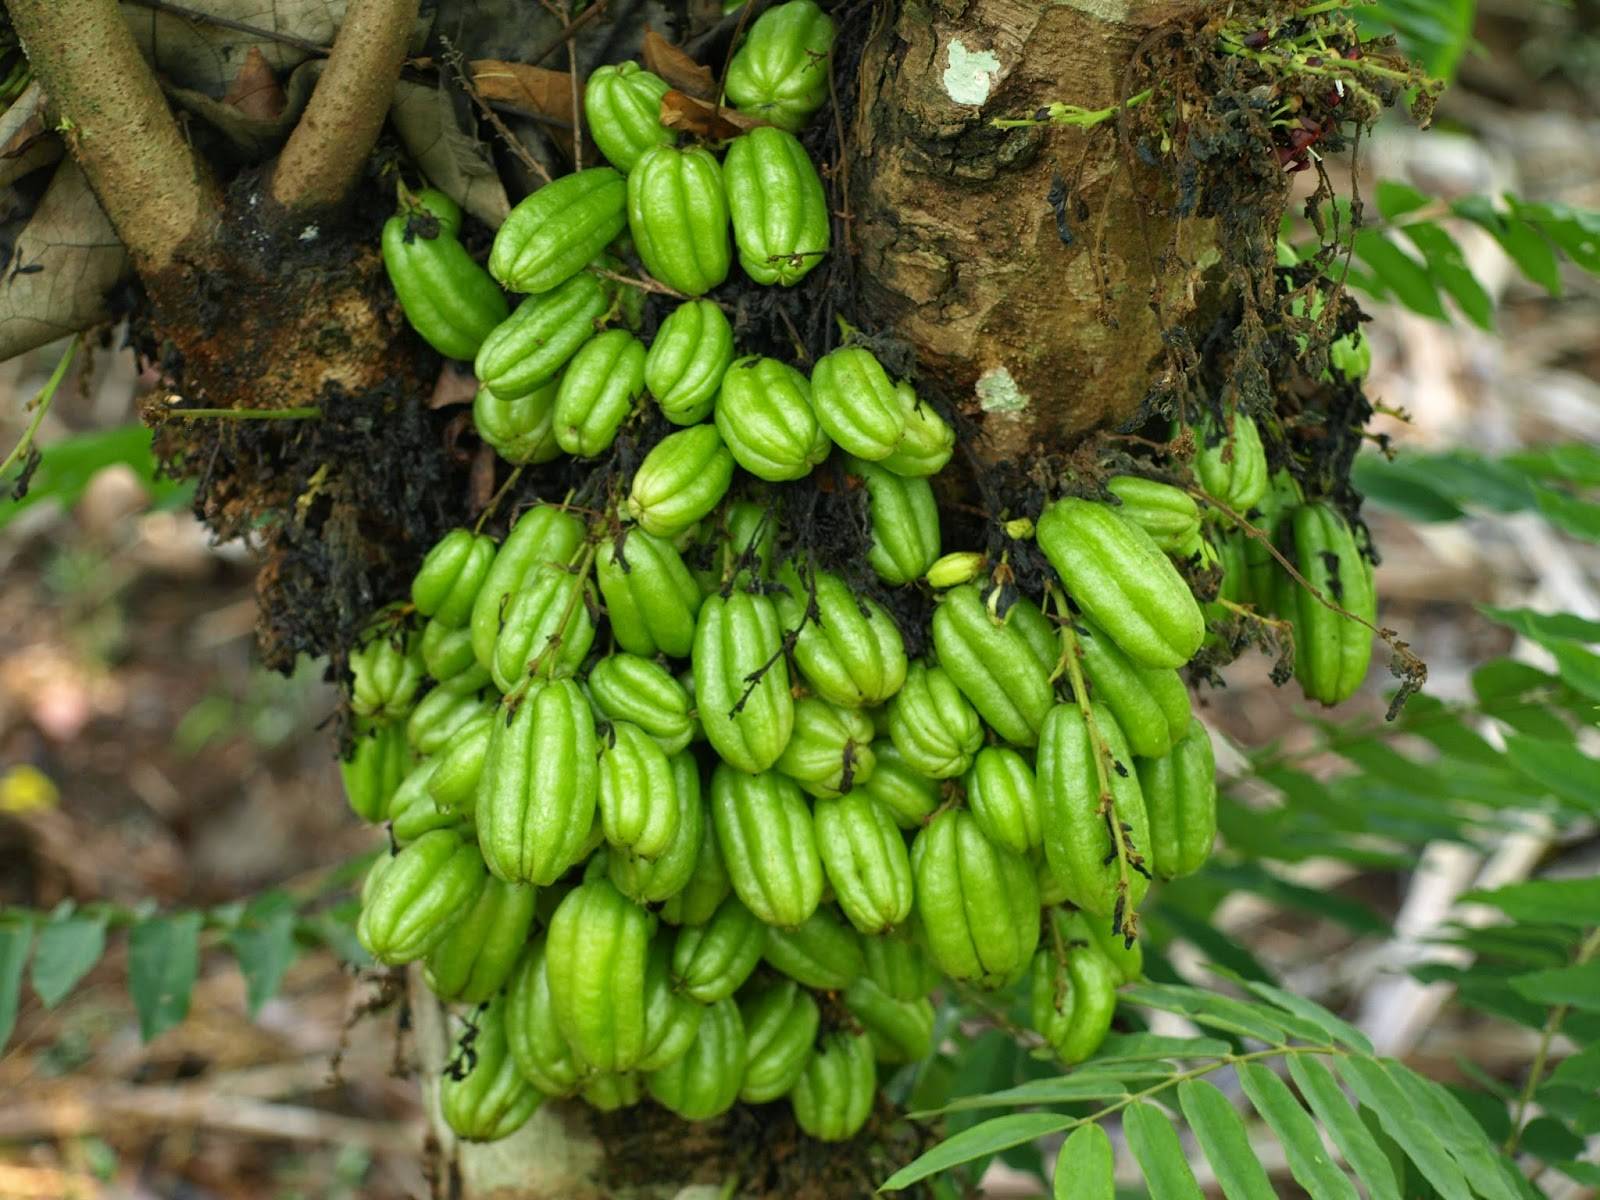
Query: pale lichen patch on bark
(971, 74)
(998, 392)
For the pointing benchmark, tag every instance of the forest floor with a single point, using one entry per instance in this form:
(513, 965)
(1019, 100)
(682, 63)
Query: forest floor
(143, 756)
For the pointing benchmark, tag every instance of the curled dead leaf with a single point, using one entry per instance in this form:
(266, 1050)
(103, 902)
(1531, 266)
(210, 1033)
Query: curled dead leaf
(536, 89)
(677, 68)
(701, 117)
(255, 91)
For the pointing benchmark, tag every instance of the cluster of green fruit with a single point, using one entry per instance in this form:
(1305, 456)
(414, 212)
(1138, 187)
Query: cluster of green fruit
(669, 804)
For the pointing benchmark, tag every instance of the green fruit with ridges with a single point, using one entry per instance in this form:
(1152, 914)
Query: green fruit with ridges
(552, 234)
(536, 801)
(850, 651)
(447, 655)
(611, 1091)
(678, 215)
(453, 784)
(910, 796)
(638, 793)
(649, 881)
(768, 844)
(440, 715)
(905, 523)
(687, 360)
(1041, 634)
(447, 297)
(830, 750)
(597, 951)
(488, 1099)
(1150, 703)
(856, 403)
(1004, 798)
(531, 346)
(418, 896)
(1168, 514)
(1123, 581)
(864, 855)
(1231, 465)
(748, 723)
(1078, 842)
(833, 1097)
(622, 104)
(780, 72)
(748, 533)
(543, 534)
(685, 475)
(379, 759)
(537, 1045)
(781, 223)
(708, 884)
(898, 965)
(927, 442)
(478, 955)
(548, 628)
(1180, 796)
(413, 813)
(823, 952)
(671, 1019)
(931, 724)
(712, 961)
(1127, 961)
(1073, 1002)
(651, 597)
(598, 392)
(1332, 651)
(447, 583)
(385, 674)
(901, 1031)
(977, 902)
(626, 687)
(780, 1025)
(764, 416)
(993, 665)
(704, 1083)
(522, 429)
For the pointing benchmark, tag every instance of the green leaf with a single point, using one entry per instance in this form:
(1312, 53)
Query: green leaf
(1556, 901)
(67, 465)
(1543, 628)
(984, 1139)
(1400, 274)
(1577, 1070)
(1395, 1112)
(1522, 242)
(1450, 270)
(1142, 1047)
(16, 938)
(265, 946)
(1086, 1166)
(65, 949)
(1155, 1144)
(1308, 1160)
(1565, 770)
(1460, 1134)
(1222, 1135)
(1396, 199)
(163, 960)
(1550, 1140)
(1207, 1008)
(1575, 230)
(1337, 1030)
(1082, 1084)
(1575, 462)
(1580, 518)
(1579, 668)
(1577, 986)
(1344, 1125)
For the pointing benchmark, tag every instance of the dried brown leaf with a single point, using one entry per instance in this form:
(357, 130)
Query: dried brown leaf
(255, 91)
(684, 112)
(677, 68)
(536, 89)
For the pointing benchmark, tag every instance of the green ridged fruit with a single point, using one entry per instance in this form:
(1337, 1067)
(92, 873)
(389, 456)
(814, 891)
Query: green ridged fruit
(748, 723)
(901, 1031)
(530, 347)
(553, 234)
(931, 724)
(678, 215)
(598, 392)
(705, 1082)
(864, 855)
(780, 1023)
(1127, 961)
(833, 1097)
(708, 884)
(626, 687)
(977, 902)
(910, 796)
(905, 523)
(1332, 651)
(1004, 798)
(379, 759)
(650, 881)
(898, 965)
(710, 962)
(687, 360)
(447, 655)
(1073, 1002)
(596, 954)
(489, 1099)
(638, 793)
(768, 844)
(413, 813)
(622, 104)
(764, 416)
(453, 783)
(521, 429)
(651, 597)
(823, 952)
(537, 1045)
(537, 799)
(548, 628)
(477, 956)
(993, 665)
(385, 674)
(543, 534)
(850, 651)
(682, 479)
(447, 297)
(830, 750)
(413, 898)
(1151, 704)
(671, 1019)
(1232, 464)
(927, 442)
(1180, 796)
(1168, 514)
(1077, 837)
(1122, 580)
(781, 223)
(780, 72)
(856, 403)
(447, 583)
(440, 715)
(612, 1092)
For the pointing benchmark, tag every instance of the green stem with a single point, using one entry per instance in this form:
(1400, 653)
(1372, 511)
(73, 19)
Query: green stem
(41, 403)
(244, 414)
(1552, 1026)
(494, 501)
(1072, 115)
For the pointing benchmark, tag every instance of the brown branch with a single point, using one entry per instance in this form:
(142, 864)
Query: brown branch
(258, 31)
(325, 154)
(117, 124)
